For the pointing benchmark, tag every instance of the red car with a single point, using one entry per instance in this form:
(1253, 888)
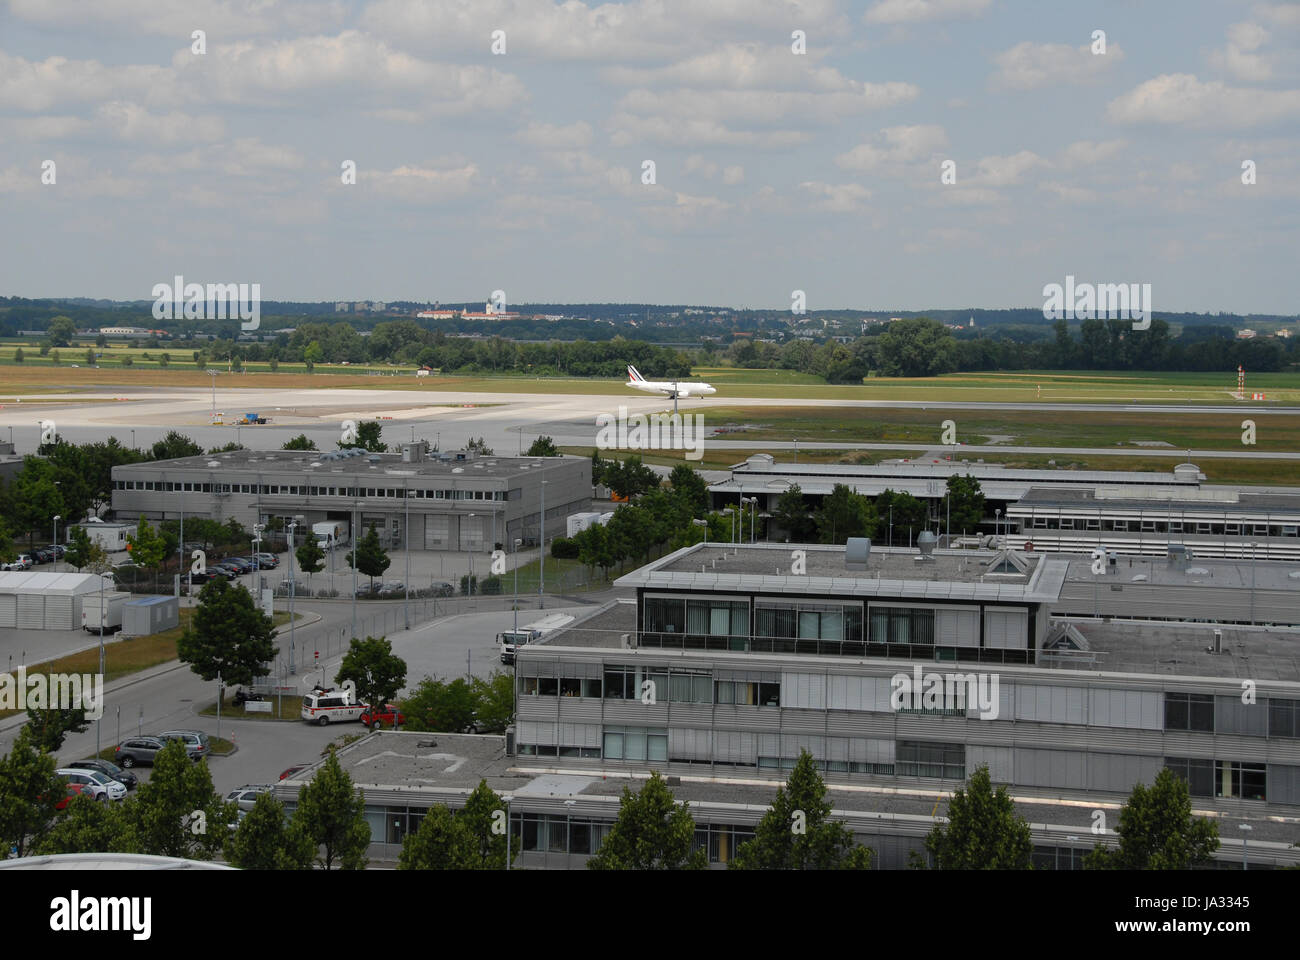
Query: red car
(387, 717)
(73, 790)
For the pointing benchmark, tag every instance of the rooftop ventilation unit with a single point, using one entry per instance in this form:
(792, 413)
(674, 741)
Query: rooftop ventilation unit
(926, 542)
(856, 552)
(1177, 556)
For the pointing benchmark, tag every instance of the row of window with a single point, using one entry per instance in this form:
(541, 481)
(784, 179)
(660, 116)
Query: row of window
(292, 490)
(835, 648)
(1221, 778)
(550, 833)
(1195, 712)
(1160, 526)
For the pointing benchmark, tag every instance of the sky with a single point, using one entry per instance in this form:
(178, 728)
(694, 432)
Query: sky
(797, 145)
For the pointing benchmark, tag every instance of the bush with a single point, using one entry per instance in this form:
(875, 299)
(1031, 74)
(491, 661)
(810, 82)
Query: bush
(562, 548)
(490, 585)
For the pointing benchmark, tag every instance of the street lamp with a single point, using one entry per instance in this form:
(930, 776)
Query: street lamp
(1245, 829)
(406, 502)
(469, 557)
(753, 517)
(293, 589)
(541, 552)
(517, 542)
(997, 528)
(54, 547)
(705, 525)
(356, 528)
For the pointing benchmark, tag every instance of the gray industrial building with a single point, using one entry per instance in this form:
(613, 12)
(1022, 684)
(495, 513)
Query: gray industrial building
(723, 663)
(440, 501)
(1139, 512)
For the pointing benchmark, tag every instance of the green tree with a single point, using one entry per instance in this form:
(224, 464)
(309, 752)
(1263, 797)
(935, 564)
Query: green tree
(903, 522)
(36, 497)
(128, 361)
(439, 706)
(479, 445)
(310, 556)
(228, 448)
(543, 447)
(147, 546)
(368, 437)
(82, 551)
(300, 442)
(983, 831)
(962, 507)
(650, 833)
(917, 347)
(176, 813)
(598, 467)
(630, 478)
(90, 356)
(268, 840)
(843, 514)
(483, 818)
(794, 516)
(19, 356)
(494, 702)
(228, 637)
(333, 816)
(101, 341)
(796, 832)
(441, 843)
(371, 560)
(1157, 831)
(88, 826)
(313, 354)
(691, 488)
(29, 791)
(49, 728)
(174, 446)
(61, 331)
(377, 672)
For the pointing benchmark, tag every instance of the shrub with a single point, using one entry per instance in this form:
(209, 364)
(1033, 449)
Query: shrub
(562, 548)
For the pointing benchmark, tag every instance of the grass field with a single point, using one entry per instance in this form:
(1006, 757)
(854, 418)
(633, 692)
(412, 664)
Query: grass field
(725, 459)
(40, 373)
(1018, 428)
(124, 657)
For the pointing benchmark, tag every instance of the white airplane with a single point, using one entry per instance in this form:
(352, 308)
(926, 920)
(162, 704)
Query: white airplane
(672, 388)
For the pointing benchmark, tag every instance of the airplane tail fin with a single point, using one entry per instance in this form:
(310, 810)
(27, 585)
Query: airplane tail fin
(632, 372)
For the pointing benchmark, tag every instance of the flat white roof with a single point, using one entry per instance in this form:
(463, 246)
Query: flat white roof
(61, 584)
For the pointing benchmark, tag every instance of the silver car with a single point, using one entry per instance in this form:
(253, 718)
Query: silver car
(196, 741)
(246, 796)
(99, 785)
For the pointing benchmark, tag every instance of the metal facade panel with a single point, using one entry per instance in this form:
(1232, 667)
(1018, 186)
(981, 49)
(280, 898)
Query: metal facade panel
(8, 610)
(1050, 704)
(1126, 708)
(804, 690)
(791, 744)
(999, 760)
(1283, 784)
(58, 613)
(957, 627)
(733, 746)
(1233, 716)
(1119, 773)
(689, 744)
(1006, 629)
(1050, 768)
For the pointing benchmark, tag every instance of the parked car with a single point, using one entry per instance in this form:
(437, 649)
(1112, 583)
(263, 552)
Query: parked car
(239, 563)
(137, 750)
(196, 741)
(247, 795)
(98, 785)
(391, 588)
(23, 561)
(384, 717)
(59, 550)
(294, 769)
(221, 570)
(108, 768)
(268, 561)
(199, 579)
(441, 588)
(242, 697)
(73, 790)
(43, 555)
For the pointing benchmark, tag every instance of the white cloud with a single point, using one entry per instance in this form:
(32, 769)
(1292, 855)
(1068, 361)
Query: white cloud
(1005, 171)
(705, 168)
(1068, 192)
(1241, 57)
(1028, 66)
(837, 197)
(132, 122)
(687, 211)
(1281, 14)
(1180, 98)
(1088, 153)
(41, 85)
(915, 11)
(627, 129)
(896, 150)
(739, 67)
(217, 17)
(733, 175)
(422, 184)
(550, 136)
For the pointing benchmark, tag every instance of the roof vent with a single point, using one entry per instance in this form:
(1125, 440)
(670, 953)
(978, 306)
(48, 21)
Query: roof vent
(926, 542)
(856, 552)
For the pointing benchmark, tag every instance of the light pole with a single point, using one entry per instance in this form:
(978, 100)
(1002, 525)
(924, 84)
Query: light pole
(796, 449)
(705, 525)
(517, 541)
(997, 528)
(356, 528)
(753, 517)
(1253, 546)
(469, 560)
(293, 589)
(54, 548)
(213, 375)
(1245, 829)
(406, 502)
(257, 558)
(102, 618)
(133, 446)
(541, 553)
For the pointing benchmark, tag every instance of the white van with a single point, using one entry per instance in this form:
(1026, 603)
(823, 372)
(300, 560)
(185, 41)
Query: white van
(326, 705)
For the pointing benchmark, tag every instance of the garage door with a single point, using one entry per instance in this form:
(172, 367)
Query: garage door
(8, 609)
(31, 612)
(58, 613)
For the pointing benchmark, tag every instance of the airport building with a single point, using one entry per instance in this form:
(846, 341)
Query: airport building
(1071, 510)
(901, 674)
(440, 501)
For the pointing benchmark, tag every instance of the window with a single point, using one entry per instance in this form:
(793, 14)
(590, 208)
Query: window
(528, 686)
(917, 758)
(570, 687)
(628, 683)
(1189, 711)
(748, 693)
(902, 625)
(1245, 781)
(636, 743)
(1284, 718)
(1198, 774)
(547, 686)
(690, 687)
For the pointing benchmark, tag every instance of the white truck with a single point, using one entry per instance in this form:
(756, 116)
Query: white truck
(330, 534)
(512, 640)
(109, 613)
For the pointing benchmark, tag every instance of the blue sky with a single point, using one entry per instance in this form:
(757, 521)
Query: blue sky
(774, 171)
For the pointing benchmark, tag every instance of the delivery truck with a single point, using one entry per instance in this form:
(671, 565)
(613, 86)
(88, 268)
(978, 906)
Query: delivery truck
(511, 640)
(109, 613)
(330, 534)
